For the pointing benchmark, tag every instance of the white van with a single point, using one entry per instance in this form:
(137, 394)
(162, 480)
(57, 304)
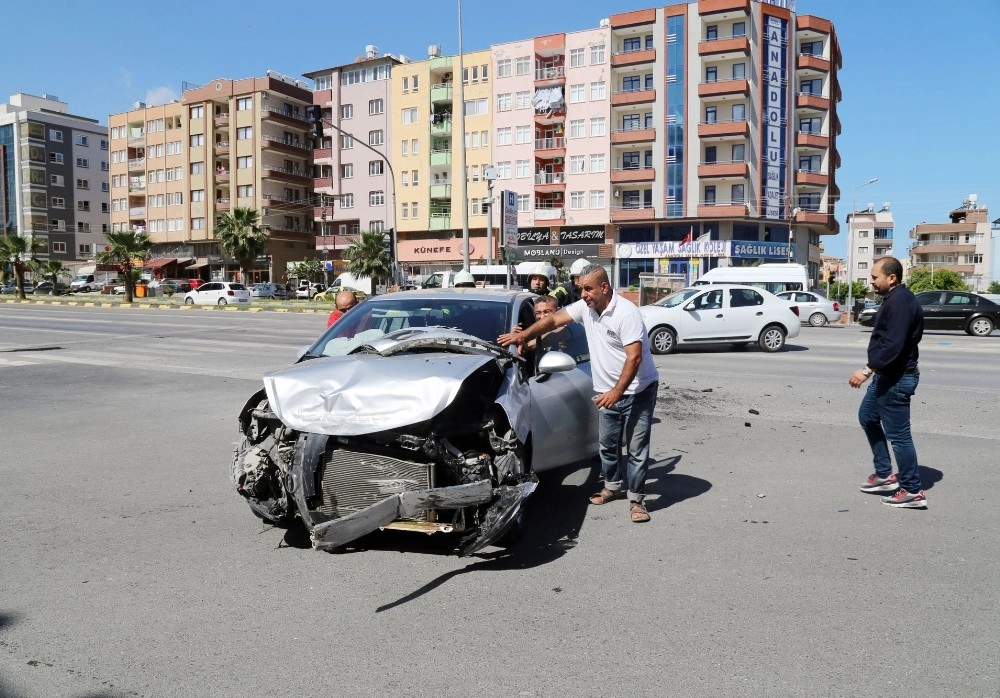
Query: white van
(771, 277)
(87, 279)
(491, 276)
(363, 283)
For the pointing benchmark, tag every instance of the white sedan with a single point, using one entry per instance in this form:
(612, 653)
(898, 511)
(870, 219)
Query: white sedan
(218, 293)
(815, 309)
(720, 314)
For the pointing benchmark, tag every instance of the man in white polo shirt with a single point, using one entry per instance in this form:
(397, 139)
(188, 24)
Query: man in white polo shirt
(625, 382)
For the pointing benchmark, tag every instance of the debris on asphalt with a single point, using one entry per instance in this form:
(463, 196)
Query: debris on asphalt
(753, 411)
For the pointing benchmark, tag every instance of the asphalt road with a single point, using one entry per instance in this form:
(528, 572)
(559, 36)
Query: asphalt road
(130, 567)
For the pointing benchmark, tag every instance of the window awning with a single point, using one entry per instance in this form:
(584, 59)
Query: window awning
(158, 263)
(199, 263)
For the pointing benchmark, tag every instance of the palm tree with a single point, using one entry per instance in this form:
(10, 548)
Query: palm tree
(18, 251)
(50, 270)
(243, 237)
(125, 248)
(369, 257)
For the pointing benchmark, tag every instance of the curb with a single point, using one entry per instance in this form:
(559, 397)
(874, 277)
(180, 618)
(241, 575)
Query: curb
(161, 306)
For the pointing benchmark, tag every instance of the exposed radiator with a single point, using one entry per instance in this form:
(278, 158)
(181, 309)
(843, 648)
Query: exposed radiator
(353, 480)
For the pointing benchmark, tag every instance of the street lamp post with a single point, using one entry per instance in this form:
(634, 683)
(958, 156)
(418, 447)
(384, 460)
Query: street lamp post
(791, 219)
(464, 183)
(850, 248)
(489, 174)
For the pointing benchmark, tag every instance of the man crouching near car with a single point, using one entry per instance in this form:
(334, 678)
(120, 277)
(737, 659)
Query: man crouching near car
(625, 381)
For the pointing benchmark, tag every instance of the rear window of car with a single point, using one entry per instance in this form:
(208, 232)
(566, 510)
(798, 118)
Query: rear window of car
(238, 287)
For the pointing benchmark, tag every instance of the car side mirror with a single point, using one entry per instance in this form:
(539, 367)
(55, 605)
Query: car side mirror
(301, 351)
(556, 362)
(689, 307)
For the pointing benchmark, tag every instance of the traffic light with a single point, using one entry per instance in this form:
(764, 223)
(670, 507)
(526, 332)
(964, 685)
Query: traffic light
(315, 115)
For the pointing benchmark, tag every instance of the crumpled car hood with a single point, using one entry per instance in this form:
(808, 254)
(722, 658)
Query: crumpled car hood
(367, 393)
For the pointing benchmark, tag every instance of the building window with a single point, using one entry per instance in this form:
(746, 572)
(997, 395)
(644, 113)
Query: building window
(631, 83)
(376, 137)
(811, 87)
(523, 202)
(414, 146)
(404, 211)
(632, 43)
(711, 115)
(522, 65)
(409, 115)
(739, 29)
(58, 202)
(476, 107)
(711, 74)
(347, 170)
(736, 194)
(197, 140)
(597, 199)
(83, 184)
(376, 198)
(504, 136)
(55, 135)
(347, 200)
(60, 246)
(346, 142)
(710, 194)
(576, 128)
(244, 103)
(522, 100)
(503, 170)
(375, 167)
(56, 180)
(631, 122)
(711, 32)
(598, 163)
(739, 112)
(598, 126)
(376, 106)
(244, 162)
(739, 71)
(197, 168)
(82, 140)
(197, 195)
(347, 111)
(576, 58)
(522, 134)
(104, 144)
(197, 112)
(504, 102)
(576, 200)
(522, 168)
(577, 164)
(414, 209)
(83, 162)
(83, 206)
(577, 94)
(597, 91)
(597, 54)
(739, 152)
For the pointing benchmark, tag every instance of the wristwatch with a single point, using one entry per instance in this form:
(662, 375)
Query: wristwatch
(866, 372)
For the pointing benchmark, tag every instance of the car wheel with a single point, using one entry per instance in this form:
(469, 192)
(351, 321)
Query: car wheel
(817, 319)
(772, 338)
(663, 340)
(189, 301)
(222, 301)
(980, 327)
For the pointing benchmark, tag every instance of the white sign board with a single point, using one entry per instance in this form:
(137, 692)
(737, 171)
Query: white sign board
(509, 199)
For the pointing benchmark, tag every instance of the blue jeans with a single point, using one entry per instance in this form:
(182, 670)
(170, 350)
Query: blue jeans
(627, 423)
(885, 416)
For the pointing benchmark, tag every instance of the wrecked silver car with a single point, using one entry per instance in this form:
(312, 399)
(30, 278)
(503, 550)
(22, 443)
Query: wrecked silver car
(406, 414)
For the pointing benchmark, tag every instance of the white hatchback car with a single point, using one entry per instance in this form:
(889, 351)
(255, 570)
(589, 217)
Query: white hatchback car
(720, 314)
(218, 293)
(815, 309)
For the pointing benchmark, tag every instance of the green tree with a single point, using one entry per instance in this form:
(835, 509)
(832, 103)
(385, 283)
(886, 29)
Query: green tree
(994, 287)
(18, 252)
(923, 279)
(561, 273)
(368, 257)
(311, 269)
(838, 291)
(124, 249)
(242, 236)
(50, 270)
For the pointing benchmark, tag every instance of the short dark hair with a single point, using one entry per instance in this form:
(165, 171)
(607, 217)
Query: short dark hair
(547, 300)
(596, 270)
(891, 266)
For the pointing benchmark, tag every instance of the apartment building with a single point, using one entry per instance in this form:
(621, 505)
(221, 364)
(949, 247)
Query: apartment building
(869, 236)
(352, 183)
(229, 143)
(963, 245)
(54, 184)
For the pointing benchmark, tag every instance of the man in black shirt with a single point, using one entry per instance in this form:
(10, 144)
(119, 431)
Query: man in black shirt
(892, 366)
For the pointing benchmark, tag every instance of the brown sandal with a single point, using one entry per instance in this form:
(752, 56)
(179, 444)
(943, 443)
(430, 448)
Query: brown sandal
(638, 513)
(606, 495)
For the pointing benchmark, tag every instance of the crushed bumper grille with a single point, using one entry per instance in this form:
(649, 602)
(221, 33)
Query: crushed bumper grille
(353, 480)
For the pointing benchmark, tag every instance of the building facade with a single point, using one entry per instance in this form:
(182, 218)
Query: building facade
(229, 143)
(55, 181)
(964, 245)
(869, 236)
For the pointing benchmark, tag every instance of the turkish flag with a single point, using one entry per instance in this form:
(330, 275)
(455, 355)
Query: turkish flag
(688, 237)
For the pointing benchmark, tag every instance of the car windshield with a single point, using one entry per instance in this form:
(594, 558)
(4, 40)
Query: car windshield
(679, 298)
(482, 318)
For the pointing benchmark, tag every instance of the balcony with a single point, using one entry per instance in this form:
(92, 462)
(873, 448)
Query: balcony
(137, 188)
(733, 170)
(553, 144)
(440, 191)
(627, 175)
(629, 97)
(636, 57)
(925, 248)
(222, 204)
(137, 164)
(554, 74)
(723, 129)
(628, 136)
(221, 119)
(632, 212)
(286, 145)
(814, 217)
(137, 140)
(222, 176)
(441, 92)
(440, 221)
(221, 147)
(441, 127)
(724, 48)
(285, 174)
(322, 154)
(735, 7)
(440, 157)
(724, 87)
(811, 101)
(550, 213)
(137, 212)
(816, 179)
(280, 115)
(722, 210)
(807, 60)
(812, 140)
(812, 23)
(550, 178)
(322, 182)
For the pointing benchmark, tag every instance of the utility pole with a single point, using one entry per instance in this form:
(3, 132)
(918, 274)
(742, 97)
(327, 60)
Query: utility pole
(850, 248)
(460, 137)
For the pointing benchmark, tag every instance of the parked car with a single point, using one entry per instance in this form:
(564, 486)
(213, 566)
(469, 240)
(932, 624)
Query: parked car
(46, 287)
(308, 289)
(218, 293)
(330, 294)
(11, 287)
(406, 414)
(867, 316)
(959, 310)
(720, 314)
(815, 309)
(176, 285)
(268, 290)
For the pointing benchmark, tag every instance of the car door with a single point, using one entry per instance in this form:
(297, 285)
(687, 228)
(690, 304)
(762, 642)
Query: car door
(956, 308)
(702, 318)
(930, 301)
(745, 313)
(208, 294)
(563, 415)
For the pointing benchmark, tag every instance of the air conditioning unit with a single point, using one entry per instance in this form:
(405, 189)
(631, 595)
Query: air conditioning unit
(264, 95)
(557, 195)
(557, 161)
(447, 77)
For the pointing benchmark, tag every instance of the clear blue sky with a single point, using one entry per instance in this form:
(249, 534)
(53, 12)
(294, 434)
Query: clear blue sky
(921, 92)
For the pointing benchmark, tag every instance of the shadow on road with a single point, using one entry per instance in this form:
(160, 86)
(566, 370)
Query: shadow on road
(929, 476)
(664, 489)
